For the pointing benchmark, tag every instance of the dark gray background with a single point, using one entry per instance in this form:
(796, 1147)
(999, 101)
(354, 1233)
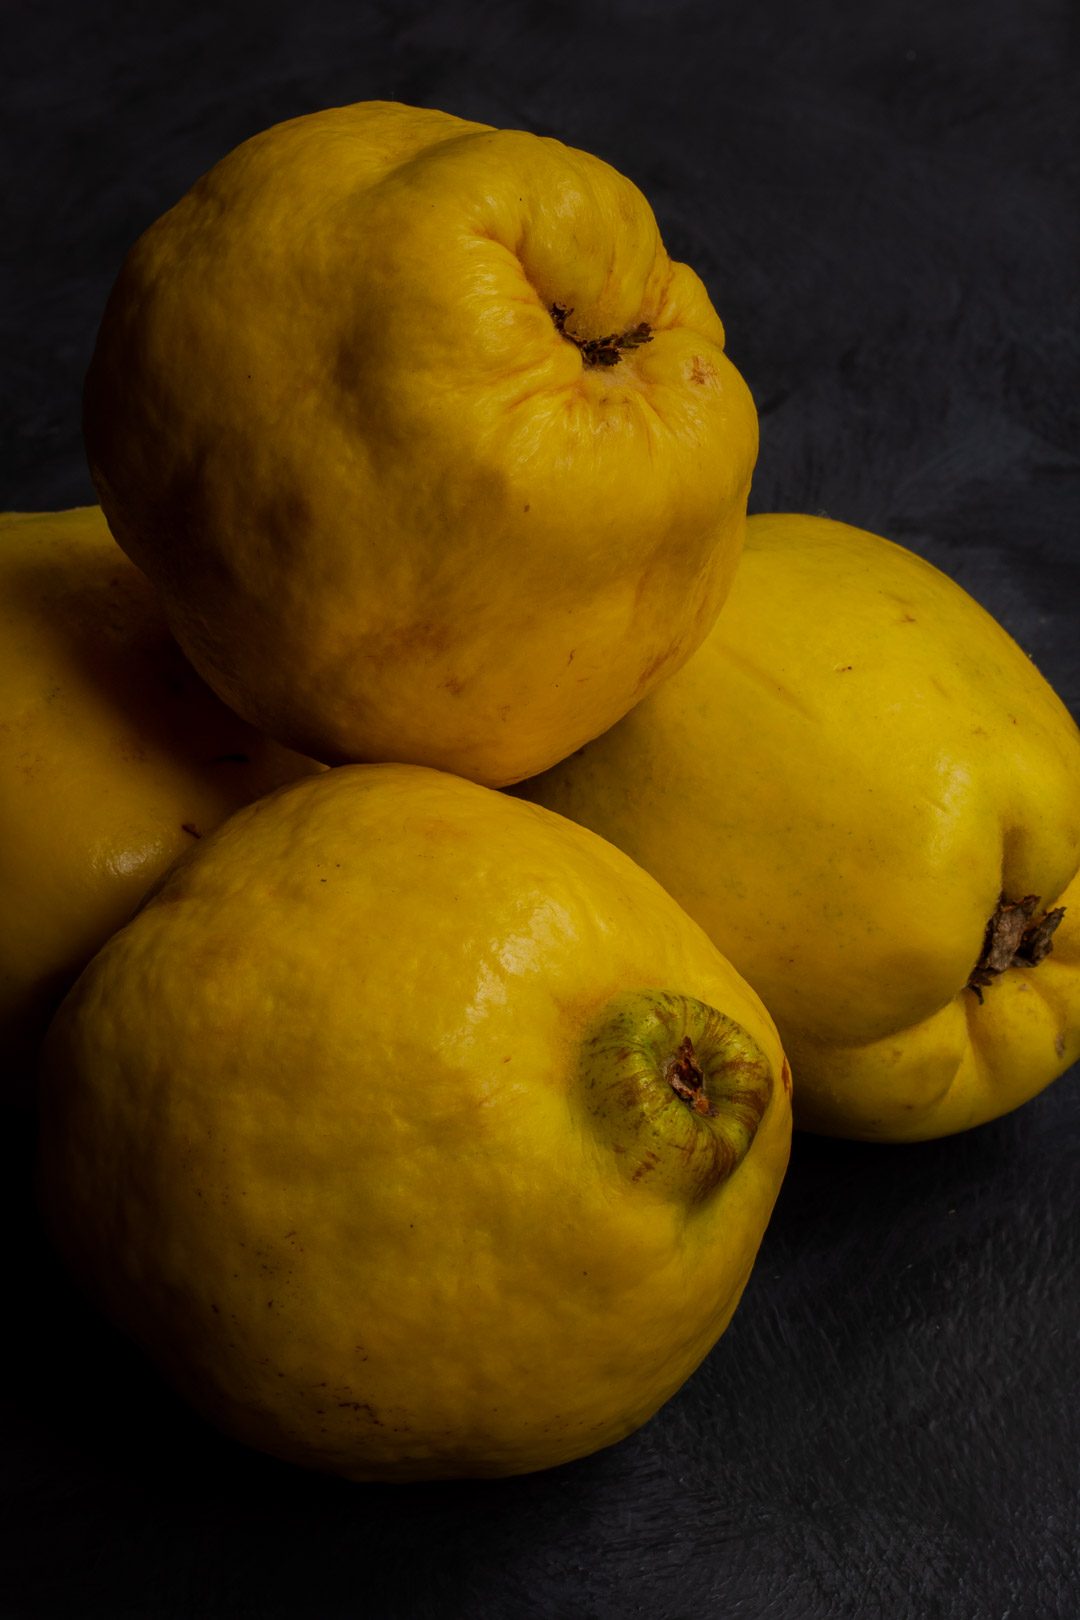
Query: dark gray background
(883, 199)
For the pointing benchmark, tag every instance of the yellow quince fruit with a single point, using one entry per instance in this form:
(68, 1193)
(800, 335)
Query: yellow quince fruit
(432, 452)
(870, 799)
(413, 1131)
(114, 758)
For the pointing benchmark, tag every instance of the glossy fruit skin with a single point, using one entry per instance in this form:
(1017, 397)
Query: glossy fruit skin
(315, 1132)
(115, 757)
(393, 512)
(839, 787)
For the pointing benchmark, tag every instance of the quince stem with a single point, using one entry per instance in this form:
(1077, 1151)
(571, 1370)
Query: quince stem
(1014, 939)
(601, 351)
(687, 1079)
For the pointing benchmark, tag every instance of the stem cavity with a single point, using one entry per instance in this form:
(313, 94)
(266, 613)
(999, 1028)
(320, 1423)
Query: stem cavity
(675, 1089)
(601, 351)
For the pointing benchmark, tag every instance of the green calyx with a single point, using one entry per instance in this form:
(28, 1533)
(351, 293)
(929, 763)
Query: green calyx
(677, 1088)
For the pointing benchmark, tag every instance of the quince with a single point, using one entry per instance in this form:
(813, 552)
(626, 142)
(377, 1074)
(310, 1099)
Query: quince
(115, 758)
(413, 1130)
(870, 799)
(432, 452)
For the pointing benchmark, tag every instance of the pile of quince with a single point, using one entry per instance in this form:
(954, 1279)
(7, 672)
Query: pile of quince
(416, 1128)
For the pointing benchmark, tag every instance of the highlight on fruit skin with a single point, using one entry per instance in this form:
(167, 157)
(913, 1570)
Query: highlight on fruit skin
(869, 797)
(432, 451)
(460, 1168)
(114, 758)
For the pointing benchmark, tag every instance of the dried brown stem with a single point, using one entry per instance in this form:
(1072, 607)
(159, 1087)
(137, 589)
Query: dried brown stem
(1014, 938)
(601, 351)
(686, 1079)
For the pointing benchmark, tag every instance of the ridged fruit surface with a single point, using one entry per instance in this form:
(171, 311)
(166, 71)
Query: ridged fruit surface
(433, 452)
(869, 797)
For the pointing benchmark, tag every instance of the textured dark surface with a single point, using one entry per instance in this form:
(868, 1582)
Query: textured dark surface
(883, 200)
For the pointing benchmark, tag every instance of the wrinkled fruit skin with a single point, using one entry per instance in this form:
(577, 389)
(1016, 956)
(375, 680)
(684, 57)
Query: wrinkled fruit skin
(840, 786)
(327, 1128)
(114, 758)
(392, 509)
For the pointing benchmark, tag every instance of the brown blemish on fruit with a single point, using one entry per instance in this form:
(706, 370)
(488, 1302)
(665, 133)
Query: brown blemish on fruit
(700, 372)
(453, 684)
(1014, 938)
(601, 351)
(649, 1161)
(1059, 1044)
(655, 665)
(361, 1406)
(190, 828)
